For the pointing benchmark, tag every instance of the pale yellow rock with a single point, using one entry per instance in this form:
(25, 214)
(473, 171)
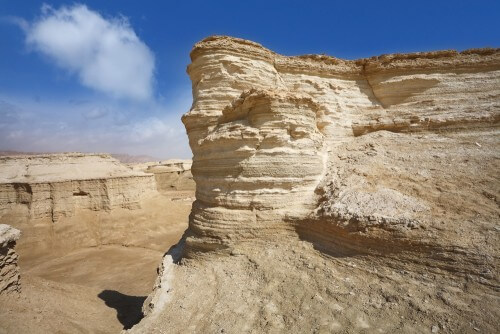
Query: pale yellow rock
(170, 175)
(173, 174)
(55, 185)
(264, 128)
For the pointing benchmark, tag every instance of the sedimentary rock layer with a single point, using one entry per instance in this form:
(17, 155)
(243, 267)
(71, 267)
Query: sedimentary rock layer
(55, 185)
(265, 128)
(172, 174)
(9, 271)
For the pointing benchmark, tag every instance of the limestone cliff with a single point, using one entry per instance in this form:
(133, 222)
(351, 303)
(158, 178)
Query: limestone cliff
(266, 130)
(55, 185)
(172, 174)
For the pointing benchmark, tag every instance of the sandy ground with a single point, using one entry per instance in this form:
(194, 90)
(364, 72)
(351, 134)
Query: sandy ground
(286, 286)
(328, 275)
(92, 272)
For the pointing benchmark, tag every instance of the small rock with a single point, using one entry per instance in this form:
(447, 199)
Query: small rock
(434, 329)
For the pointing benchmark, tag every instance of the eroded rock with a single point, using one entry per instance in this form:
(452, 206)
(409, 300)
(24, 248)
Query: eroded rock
(55, 185)
(9, 270)
(269, 135)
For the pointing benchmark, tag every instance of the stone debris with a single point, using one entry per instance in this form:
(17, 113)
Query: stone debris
(172, 174)
(9, 270)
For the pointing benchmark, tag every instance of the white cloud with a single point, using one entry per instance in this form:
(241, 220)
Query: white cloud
(106, 54)
(152, 128)
(95, 126)
(95, 113)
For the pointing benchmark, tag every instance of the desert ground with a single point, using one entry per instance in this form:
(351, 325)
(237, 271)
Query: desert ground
(91, 272)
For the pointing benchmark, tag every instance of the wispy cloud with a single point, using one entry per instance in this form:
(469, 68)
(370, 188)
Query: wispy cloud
(95, 113)
(105, 54)
(96, 126)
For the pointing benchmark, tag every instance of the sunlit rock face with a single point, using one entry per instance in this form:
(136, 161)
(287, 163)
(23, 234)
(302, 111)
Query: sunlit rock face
(257, 166)
(55, 185)
(172, 174)
(434, 90)
(267, 131)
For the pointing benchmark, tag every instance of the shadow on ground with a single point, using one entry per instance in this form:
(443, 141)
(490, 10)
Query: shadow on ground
(128, 308)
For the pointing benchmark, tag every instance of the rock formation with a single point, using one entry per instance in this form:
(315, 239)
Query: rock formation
(266, 130)
(173, 174)
(9, 271)
(321, 176)
(55, 185)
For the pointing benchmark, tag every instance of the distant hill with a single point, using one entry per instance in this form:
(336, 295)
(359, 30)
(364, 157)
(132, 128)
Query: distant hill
(125, 158)
(4, 153)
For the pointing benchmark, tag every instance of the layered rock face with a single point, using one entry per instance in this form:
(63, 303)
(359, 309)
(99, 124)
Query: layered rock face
(9, 271)
(172, 174)
(258, 166)
(267, 132)
(58, 184)
(432, 91)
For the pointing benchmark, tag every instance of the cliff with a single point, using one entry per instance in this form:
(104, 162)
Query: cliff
(267, 130)
(332, 193)
(172, 174)
(55, 185)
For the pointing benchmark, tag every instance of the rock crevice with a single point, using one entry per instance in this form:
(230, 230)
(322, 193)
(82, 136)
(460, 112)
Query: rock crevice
(9, 270)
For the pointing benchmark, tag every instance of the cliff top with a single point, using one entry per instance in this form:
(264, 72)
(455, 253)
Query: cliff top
(404, 61)
(61, 167)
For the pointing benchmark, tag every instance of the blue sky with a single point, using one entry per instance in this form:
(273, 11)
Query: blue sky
(69, 82)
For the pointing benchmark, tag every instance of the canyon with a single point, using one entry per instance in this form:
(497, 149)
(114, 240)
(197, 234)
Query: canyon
(86, 220)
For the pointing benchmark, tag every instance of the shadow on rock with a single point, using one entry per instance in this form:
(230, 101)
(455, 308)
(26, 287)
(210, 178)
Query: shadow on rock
(128, 308)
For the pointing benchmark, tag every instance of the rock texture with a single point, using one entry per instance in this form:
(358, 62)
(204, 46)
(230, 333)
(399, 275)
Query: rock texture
(352, 196)
(172, 174)
(9, 271)
(266, 130)
(56, 185)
